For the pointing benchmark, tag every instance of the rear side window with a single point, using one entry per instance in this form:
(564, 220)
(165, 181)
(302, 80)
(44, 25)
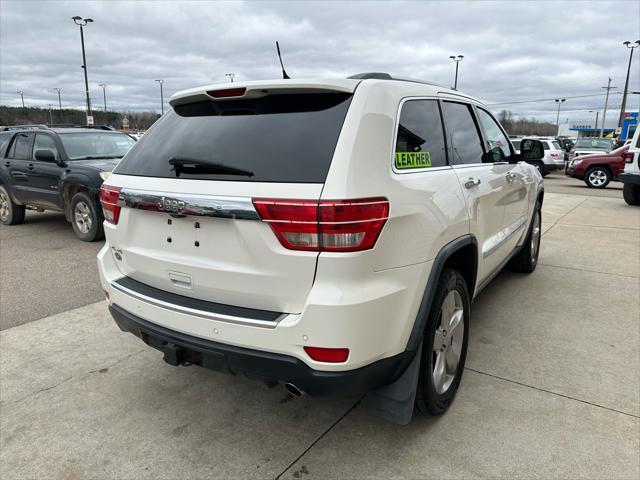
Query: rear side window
(420, 140)
(463, 135)
(275, 138)
(20, 149)
(556, 145)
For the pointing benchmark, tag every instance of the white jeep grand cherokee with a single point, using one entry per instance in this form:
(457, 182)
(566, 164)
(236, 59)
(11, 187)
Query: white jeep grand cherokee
(325, 234)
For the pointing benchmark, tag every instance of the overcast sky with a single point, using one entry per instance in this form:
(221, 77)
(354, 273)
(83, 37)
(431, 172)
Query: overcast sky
(513, 51)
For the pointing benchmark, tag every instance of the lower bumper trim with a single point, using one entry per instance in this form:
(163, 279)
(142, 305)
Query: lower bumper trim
(183, 349)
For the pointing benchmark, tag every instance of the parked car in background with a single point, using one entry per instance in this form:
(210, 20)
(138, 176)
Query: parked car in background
(553, 155)
(590, 146)
(58, 169)
(280, 260)
(598, 170)
(631, 175)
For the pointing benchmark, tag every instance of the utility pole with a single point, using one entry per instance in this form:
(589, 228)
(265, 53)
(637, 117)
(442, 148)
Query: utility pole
(626, 83)
(83, 23)
(161, 97)
(597, 112)
(559, 102)
(606, 102)
(59, 98)
(21, 93)
(230, 75)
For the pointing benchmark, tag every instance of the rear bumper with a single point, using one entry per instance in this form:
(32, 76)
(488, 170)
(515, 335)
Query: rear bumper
(629, 178)
(550, 167)
(180, 348)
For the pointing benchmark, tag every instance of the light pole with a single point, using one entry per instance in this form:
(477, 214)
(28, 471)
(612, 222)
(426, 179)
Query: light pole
(59, 98)
(161, 97)
(82, 22)
(104, 96)
(21, 93)
(457, 59)
(50, 116)
(559, 102)
(626, 83)
(230, 75)
(597, 113)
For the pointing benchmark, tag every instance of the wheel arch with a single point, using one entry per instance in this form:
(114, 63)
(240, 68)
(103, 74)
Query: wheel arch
(68, 192)
(460, 254)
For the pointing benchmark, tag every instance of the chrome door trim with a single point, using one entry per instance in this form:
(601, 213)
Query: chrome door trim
(198, 313)
(497, 240)
(184, 204)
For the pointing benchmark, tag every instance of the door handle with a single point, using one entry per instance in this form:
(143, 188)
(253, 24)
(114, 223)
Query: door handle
(472, 182)
(30, 167)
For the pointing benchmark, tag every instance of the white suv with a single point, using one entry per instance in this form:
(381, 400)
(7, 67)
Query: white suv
(631, 176)
(329, 235)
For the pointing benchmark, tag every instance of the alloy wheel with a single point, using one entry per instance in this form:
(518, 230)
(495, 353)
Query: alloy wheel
(82, 216)
(447, 342)
(535, 237)
(597, 178)
(4, 206)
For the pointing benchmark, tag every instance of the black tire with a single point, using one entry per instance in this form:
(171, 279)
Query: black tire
(631, 194)
(10, 213)
(429, 400)
(86, 219)
(597, 177)
(526, 259)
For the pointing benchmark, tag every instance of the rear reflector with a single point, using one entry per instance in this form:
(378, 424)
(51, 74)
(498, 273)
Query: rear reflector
(325, 225)
(227, 92)
(109, 200)
(628, 157)
(328, 355)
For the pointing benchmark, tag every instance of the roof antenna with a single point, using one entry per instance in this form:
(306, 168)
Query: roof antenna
(284, 74)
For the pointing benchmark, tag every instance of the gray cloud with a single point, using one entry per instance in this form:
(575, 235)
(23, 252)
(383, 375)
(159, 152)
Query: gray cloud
(513, 50)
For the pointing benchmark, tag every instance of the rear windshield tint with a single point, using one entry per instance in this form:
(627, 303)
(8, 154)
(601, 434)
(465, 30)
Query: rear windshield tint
(275, 138)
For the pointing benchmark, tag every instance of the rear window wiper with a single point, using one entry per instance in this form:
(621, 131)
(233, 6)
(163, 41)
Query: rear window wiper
(194, 167)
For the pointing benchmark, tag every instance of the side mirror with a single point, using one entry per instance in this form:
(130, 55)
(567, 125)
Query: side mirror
(45, 156)
(531, 149)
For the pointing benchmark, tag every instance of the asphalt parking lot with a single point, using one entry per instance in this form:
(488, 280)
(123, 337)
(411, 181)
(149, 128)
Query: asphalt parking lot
(551, 388)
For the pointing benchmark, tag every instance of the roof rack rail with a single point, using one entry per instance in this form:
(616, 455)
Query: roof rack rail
(94, 127)
(24, 127)
(387, 76)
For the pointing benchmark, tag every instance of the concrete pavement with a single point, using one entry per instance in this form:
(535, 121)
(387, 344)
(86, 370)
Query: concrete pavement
(551, 388)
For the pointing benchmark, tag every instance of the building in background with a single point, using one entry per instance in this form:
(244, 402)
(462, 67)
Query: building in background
(587, 129)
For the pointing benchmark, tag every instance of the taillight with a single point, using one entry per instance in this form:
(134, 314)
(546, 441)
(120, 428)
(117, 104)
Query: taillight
(325, 225)
(329, 355)
(628, 157)
(109, 199)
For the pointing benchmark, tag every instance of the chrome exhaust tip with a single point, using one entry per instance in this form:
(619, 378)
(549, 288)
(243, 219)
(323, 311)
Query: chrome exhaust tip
(293, 390)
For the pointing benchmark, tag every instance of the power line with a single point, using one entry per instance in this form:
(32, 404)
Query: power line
(550, 99)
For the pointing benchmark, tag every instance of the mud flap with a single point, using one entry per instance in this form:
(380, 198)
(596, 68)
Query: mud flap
(395, 402)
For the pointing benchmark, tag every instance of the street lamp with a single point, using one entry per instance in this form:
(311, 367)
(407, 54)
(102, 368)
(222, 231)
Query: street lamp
(230, 75)
(50, 116)
(21, 93)
(559, 102)
(59, 98)
(457, 59)
(626, 83)
(82, 22)
(597, 113)
(104, 96)
(161, 97)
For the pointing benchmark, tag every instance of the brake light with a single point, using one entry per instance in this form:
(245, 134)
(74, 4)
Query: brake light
(227, 92)
(109, 199)
(328, 355)
(628, 157)
(325, 225)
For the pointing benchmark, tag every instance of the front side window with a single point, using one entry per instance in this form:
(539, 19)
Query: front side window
(420, 139)
(497, 142)
(462, 133)
(44, 142)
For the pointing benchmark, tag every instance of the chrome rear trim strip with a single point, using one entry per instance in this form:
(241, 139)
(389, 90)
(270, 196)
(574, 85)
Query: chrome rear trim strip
(240, 208)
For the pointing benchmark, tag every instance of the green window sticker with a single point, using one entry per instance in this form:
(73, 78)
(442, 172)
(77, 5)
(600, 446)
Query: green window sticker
(407, 160)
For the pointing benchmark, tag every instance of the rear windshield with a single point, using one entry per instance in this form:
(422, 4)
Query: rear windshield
(275, 138)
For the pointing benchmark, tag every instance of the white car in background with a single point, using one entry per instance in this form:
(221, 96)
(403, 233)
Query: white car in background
(553, 155)
(591, 146)
(631, 176)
